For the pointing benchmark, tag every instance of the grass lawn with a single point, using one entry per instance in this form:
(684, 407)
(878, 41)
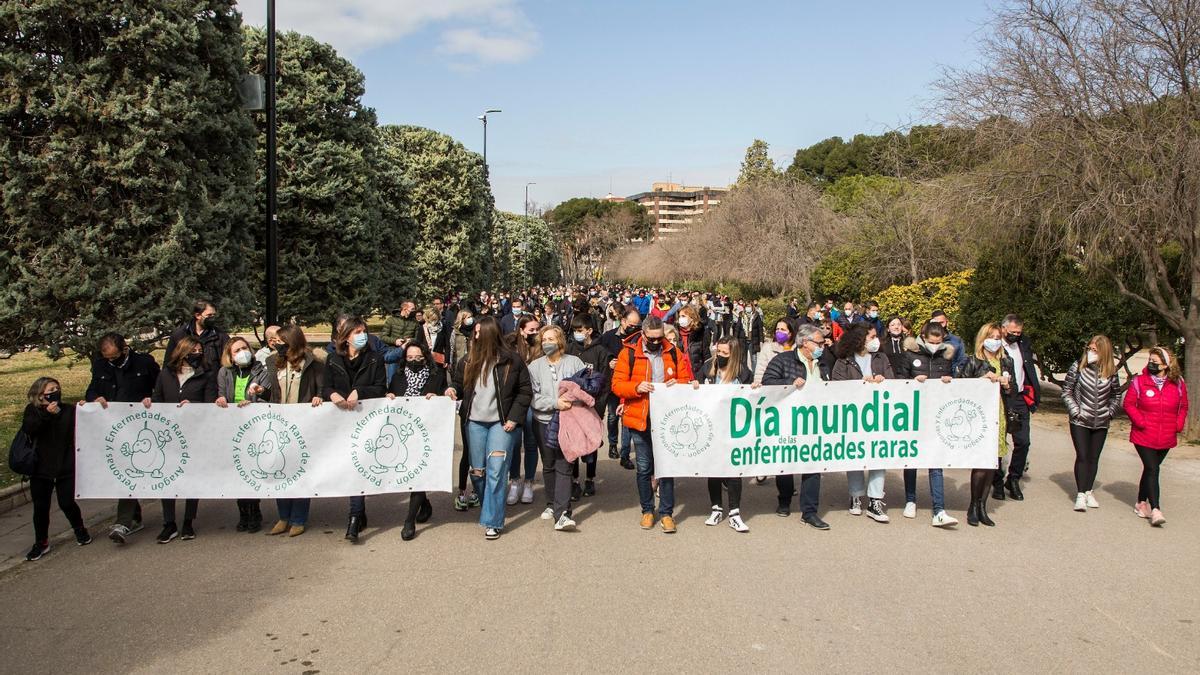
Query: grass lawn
(19, 371)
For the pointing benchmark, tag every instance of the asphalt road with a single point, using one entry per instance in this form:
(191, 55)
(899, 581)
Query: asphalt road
(1046, 590)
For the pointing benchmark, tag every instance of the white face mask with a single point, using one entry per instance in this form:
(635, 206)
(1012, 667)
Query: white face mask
(243, 358)
(993, 344)
(873, 345)
(684, 322)
(1092, 357)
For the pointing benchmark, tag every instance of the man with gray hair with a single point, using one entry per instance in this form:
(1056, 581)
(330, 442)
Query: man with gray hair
(794, 369)
(1025, 377)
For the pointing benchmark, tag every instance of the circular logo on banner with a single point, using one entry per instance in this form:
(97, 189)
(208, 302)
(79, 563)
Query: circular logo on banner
(145, 449)
(269, 452)
(688, 431)
(390, 446)
(960, 423)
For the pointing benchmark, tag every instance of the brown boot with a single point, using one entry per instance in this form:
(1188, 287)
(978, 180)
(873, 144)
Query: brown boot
(280, 527)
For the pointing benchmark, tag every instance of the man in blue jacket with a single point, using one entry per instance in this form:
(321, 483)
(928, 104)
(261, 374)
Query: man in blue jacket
(960, 354)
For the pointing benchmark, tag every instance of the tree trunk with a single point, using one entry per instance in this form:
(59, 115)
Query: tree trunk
(1191, 376)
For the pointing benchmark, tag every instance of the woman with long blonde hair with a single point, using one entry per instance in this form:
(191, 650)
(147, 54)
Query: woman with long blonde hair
(1092, 394)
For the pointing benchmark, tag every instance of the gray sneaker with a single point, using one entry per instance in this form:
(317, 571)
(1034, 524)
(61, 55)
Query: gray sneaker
(119, 534)
(564, 524)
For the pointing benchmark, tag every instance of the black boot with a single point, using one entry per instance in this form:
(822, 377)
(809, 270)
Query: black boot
(981, 513)
(408, 531)
(1014, 488)
(424, 511)
(353, 528)
(243, 517)
(973, 514)
(998, 491)
(254, 520)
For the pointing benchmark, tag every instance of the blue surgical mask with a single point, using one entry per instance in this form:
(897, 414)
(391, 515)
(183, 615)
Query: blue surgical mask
(359, 341)
(580, 337)
(818, 352)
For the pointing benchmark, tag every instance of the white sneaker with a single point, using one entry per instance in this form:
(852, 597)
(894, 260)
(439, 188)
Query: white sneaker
(514, 491)
(1091, 501)
(715, 517)
(856, 506)
(910, 510)
(527, 493)
(735, 521)
(943, 519)
(564, 524)
(491, 533)
(548, 514)
(1080, 502)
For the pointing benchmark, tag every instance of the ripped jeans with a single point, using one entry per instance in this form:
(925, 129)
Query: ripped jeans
(491, 450)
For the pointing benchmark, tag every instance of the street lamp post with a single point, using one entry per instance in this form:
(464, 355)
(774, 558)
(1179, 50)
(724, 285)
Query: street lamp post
(272, 253)
(527, 198)
(483, 118)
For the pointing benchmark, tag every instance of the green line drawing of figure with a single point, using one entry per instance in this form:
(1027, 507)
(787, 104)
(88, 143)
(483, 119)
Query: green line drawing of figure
(389, 448)
(146, 454)
(268, 453)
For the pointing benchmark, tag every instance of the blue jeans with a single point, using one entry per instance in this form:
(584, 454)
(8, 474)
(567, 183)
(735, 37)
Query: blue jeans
(874, 483)
(491, 449)
(645, 470)
(391, 359)
(525, 440)
(615, 428)
(293, 511)
(936, 491)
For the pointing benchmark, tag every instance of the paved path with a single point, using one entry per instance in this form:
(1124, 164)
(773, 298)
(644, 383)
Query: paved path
(1046, 590)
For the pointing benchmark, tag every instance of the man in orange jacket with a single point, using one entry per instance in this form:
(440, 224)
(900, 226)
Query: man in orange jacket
(647, 359)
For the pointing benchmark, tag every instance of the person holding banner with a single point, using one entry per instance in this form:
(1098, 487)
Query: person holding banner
(727, 366)
(493, 385)
(859, 358)
(421, 376)
(928, 356)
(545, 373)
(294, 375)
(794, 369)
(354, 372)
(51, 426)
(186, 378)
(241, 380)
(121, 375)
(646, 360)
(992, 362)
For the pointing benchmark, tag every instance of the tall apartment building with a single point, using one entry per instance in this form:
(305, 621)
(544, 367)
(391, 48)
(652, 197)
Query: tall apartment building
(674, 207)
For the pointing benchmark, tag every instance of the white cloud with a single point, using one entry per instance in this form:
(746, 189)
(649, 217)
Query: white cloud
(478, 31)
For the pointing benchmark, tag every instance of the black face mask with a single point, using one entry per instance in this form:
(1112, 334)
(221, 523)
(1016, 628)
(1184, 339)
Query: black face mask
(654, 345)
(194, 360)
(416, 365)
(530, 339)
(1012, 339)
(54, 397)
(281, 349)
(209, 322)
(722, 361)
(1154, 368)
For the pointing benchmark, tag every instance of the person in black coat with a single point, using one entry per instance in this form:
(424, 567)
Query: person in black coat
(727, 366)
(121, 375)
(618, 436)
(1022, 405)
(354, 372)
(794, 368)
(892, 341)
(419, 376)
(203, 328)
(51, 425)
(185, 379)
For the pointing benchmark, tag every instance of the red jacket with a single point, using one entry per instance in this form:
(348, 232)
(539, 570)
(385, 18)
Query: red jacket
(1157, 415)
(625, 379)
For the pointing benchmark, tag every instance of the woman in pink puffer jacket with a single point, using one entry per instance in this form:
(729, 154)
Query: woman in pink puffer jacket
(1157, 406)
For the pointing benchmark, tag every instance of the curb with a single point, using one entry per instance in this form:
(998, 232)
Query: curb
(14, 496)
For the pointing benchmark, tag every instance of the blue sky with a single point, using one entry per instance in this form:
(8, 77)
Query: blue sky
(626, 93)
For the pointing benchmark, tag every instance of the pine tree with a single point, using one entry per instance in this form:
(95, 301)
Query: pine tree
(758, 164)
(330, 254)
(126, 165)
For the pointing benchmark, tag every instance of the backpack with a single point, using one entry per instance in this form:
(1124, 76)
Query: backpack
(22, 454)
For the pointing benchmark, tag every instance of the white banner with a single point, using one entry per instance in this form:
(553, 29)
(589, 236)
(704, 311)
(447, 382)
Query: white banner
(264, 450)
(733, 430)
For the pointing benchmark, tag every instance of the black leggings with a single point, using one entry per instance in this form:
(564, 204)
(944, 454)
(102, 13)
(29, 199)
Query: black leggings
(735, 492)
(1088, 445)
(464, 464)
(591, 468)
(980, 479)
(1148, 487)
(41, 490)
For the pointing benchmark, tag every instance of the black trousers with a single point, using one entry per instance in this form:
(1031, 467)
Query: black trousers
(1152, 459)
(189, 510)
(1089, 443)
(734, 485)
(41, 490)
(810, 491)
(1020, 441)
